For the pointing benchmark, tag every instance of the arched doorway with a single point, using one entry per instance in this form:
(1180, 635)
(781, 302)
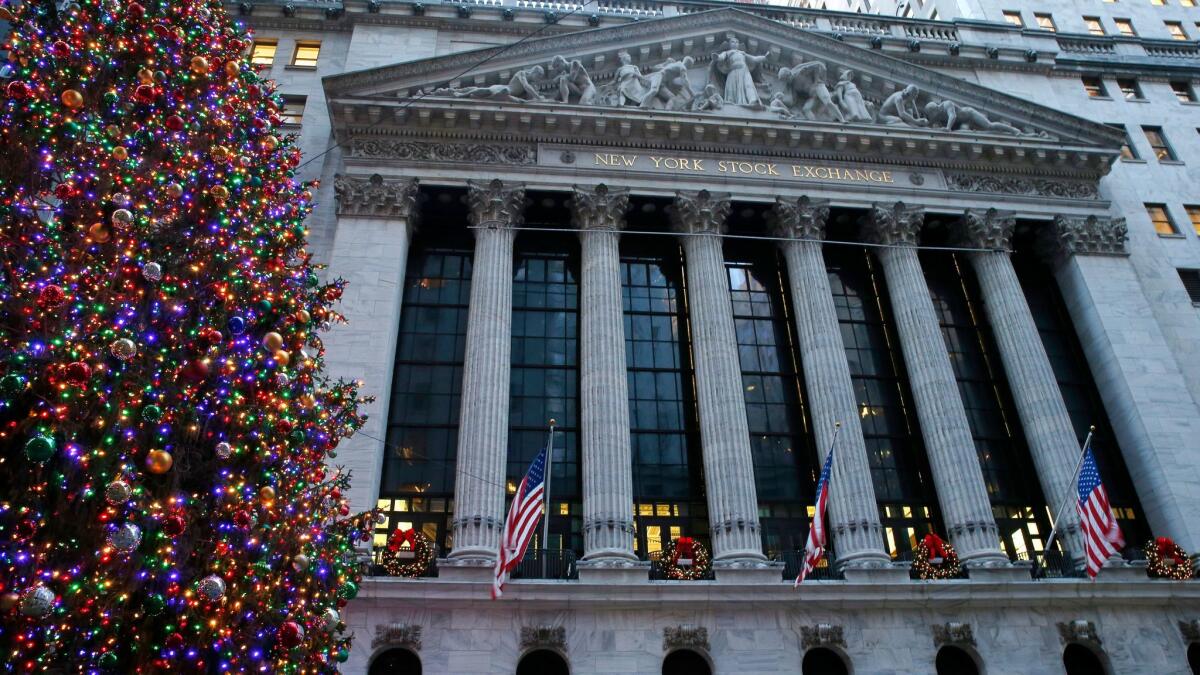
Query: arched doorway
(685, 662)
(953, 660)
(1080, 660)
(823, 661)
(396, 662)
(543, 662)
(1194, 658)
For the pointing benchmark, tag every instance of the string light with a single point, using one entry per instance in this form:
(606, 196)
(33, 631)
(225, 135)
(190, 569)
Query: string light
(164, 416)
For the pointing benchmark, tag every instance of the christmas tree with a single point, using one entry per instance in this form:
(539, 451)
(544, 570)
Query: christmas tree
(164, 420)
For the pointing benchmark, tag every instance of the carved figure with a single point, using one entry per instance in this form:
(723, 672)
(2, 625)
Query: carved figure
(849, 99)
(710, 99)
(518, 90)
(901, 108)
(573, 81)
(631, 85)
(669, 86)
(733, 72)
(806, 81)
(953, 117)
(777, 106)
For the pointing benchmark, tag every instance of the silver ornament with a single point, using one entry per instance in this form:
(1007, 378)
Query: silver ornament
(125, 538)
(211, 588)
(123, 349)
(152, 271)
(330, 618)
(300, 562)
(122, 200)
(223, 450)
(282, 379)
(118, 492)
(37, 602)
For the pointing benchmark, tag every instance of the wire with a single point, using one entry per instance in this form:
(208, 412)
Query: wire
(422, 94)
(412, 454)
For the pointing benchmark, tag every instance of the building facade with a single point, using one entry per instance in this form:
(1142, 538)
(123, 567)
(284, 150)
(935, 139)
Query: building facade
(712, 242)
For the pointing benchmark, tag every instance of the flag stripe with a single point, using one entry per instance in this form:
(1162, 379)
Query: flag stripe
(1102, 536)
(521, 523)
(814, 548)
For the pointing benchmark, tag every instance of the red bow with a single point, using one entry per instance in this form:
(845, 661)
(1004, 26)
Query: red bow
(685, 547)
(935, 546)
(401, 537)
(1167, 548)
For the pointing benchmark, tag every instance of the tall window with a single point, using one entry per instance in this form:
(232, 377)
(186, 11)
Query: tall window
(417, 489)
(668, 483)
(1127, 149)
(1093, 25)
(1183, 91)
(292, 112)
(1158, 143)
(895, 451)
(1094, 87)
(1130, 89)
(1045, 21)
(1161, 219)
(544, 381)
(1014, 18)
(785, 470)
(1125, 27)
(306, 54)
(1193, 212)
(1008, 470)
(1079, 390)
(262, 52)
(1175, 28)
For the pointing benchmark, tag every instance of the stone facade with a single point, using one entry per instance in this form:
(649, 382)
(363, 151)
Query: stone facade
(409, 96)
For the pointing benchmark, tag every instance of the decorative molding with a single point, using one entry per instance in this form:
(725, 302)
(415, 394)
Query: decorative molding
(473, 153)
(544, 637)
(397, 635)
(894, 224)
(1190, 630)
(953, 633)
(1078, 631)
(1016, 185)
(375, 196)
(685, 637)
(599, 208)
(700, 212)
(822, 635)
(800, 218)
(1092, 235)
(495, 205)
(990, 229)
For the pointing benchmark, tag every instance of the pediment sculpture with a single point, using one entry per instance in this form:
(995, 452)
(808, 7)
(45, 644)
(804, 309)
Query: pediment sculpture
(739, 83)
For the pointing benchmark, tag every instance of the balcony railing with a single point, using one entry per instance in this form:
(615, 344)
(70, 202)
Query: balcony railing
(541, 563)
(826, 570)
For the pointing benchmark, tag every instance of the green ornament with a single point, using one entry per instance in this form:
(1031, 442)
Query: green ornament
(343, 655)
(108, 660)
(348, 591)
(155, 604)
(152, 413)
(265, 305)
(111, 98)
(312, 281)
(39, 448)
(11, 385)
(297, 436)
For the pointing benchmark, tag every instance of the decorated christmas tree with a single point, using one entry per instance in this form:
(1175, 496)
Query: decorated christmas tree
(164, 421)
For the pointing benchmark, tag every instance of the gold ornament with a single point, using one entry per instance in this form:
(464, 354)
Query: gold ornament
(232, 69)
(120, 154)
(99, 233)
(174, 190)
(146, 76)
(72, 99)
(282, 357)
(267, 495)
(272, 341)
(220, 192)
(199, 65)
(159, 461)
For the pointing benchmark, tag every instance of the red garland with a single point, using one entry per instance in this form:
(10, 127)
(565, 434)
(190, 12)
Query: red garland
(685, 547)
(1167, 560)
(1167, 548)
(422, 554)
(937, 548)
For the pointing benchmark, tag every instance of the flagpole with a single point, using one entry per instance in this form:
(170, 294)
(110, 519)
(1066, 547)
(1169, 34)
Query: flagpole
(1066, 500)
(546, 508)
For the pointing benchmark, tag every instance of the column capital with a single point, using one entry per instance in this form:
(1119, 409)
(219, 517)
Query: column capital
(1090, 235)
(375, 196)
(601, 208)
(700, 212)
(894, 224)
(495, 204)
(990, 229)
(800, 218)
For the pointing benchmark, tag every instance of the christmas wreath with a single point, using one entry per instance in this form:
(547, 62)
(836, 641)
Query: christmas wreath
(935, 559)
(685, 559)
(1167, 560)
(408, 554)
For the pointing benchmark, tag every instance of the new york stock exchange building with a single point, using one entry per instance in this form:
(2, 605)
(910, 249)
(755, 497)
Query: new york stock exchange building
(700, 238)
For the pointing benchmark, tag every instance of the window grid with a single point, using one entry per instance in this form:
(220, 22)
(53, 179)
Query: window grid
(1130, 89)
(1094, 26)
(1045, 22)
(1094, 87)
(306, 54)
(1193, 211)
(785, 471)
(1125, 27)
(1175, 28)
(1160, 218)
(1127, 149)
(1158, 143)
(292, 111)
(262, 52)
(1014, 18)
(1187, 3)
(1183, 92)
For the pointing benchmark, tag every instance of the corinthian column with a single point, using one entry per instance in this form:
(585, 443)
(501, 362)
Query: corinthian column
(599, 214)
(495, 209)
(728, 463)
(1044, 417)
(952, 457)
(853, 512)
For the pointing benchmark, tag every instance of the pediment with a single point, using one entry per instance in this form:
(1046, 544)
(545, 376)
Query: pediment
(756, 80)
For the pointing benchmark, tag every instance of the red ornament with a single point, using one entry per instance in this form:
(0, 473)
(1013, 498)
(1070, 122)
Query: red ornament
(144, 93)
(51, 296)
(26, 528)
(135, 11)
(174, 525)
(242, 519)
(284, 426)
(196, 370)
(17, 90)
(78, 373)
(291, 634)
(175, 123)
(63, 191)
(174, 641)
(60, 49)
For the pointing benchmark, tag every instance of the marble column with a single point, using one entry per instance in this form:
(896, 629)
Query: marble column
(496, 209)
(724, 433)
(1044, 417)
(853, 512)
(376, 219)
(599, 214)
(957, 475)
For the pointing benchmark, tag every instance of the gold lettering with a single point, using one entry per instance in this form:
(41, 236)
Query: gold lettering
(721, 167)
(629, 160)
(671, 163)
(796, 171)
(822, 175)
(600, 159)
(859, 174)
(887, 176)
(656, 160)
(771, 170)
(875, 176)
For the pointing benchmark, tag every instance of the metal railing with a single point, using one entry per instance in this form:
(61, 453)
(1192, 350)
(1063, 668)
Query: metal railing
(826, 570)
(542, 563)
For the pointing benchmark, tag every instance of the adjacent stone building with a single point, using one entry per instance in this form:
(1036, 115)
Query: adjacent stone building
(712, 242)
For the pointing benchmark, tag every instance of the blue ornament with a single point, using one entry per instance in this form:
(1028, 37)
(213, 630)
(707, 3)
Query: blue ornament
(237, 325)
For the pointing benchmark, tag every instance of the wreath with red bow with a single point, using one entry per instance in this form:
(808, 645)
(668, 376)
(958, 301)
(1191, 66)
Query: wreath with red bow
(685, 559)
(935, 558)
(1167, 560)
(408, 554)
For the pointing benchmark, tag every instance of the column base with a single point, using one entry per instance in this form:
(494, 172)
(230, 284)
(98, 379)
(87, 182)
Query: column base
(610, 572)
(891, 574)
(1022, 570)
(466, 569)
(748, 572)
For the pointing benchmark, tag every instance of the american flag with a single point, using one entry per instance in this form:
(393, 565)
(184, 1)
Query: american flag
(814, 549)
(521, 523)
(1101, 534)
